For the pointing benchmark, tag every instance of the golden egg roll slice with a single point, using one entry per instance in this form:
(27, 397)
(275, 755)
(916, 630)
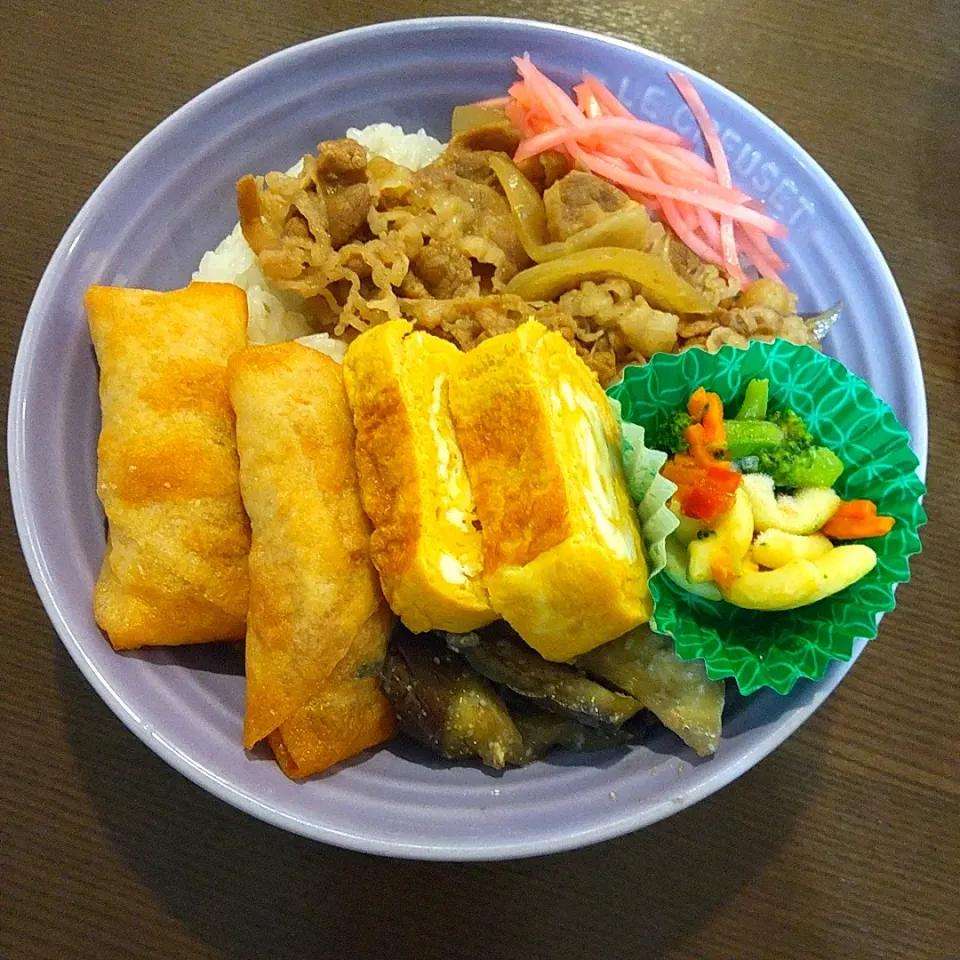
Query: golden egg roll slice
(348, 714)
(175, 567)
(563, 560)
(312, 585)
(425, 543)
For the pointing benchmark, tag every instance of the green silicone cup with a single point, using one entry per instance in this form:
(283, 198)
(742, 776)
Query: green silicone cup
(776, 649)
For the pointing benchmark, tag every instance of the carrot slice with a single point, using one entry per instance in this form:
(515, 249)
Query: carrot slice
(761, 242)
(693, 160)
(712, 139)
(681, 475)
(707, 437)
(678, 225)
(671, 170)
(610, 104)
(857, 520)
(697, 403)
(591, 125)
(712, 421)
(856, 509)
(604, 168)
(677, 222)
(556, 103)
(850, 528)
(689, 214)
(764, 265)
(695, 437)
(709, 228)
(587, 102)
(605, 97)
(652, 164)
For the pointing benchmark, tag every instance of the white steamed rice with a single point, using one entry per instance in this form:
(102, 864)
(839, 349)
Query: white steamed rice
(413, 150)
(276, 315)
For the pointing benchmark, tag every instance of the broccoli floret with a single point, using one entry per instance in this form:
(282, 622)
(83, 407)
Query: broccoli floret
(795, 446)
(776, 463)
(798, 461)
(795, 431)
(669, 438)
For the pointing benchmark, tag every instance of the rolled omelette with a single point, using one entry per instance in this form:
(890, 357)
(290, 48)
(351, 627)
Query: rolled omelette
(412, 480)
(563, 558)
(175, 567)
(313, 588)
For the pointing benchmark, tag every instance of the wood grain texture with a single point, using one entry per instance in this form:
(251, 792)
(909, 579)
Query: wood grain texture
(845, 843)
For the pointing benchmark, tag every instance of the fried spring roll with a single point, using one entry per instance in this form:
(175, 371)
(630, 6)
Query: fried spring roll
(312, 585)
(175, 568)
(349, 714)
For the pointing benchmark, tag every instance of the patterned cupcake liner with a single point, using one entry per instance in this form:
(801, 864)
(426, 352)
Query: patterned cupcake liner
(774, 650)
(649, 489)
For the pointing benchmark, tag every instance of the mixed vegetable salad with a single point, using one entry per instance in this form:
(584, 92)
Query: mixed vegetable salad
(757, 514)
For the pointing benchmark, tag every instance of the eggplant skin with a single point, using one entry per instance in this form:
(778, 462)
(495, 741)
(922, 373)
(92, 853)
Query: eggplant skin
(440, 702)
(645, 665)
(543, 731)
(501, 656)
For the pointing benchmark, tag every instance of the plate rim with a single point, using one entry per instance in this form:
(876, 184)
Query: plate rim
(472, 849)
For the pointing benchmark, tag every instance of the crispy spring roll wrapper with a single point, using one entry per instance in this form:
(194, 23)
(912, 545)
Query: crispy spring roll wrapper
(175, 568)
(312, 585)
(348, 714)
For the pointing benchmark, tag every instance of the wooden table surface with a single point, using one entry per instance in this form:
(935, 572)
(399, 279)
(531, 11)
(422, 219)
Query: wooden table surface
(844, 843)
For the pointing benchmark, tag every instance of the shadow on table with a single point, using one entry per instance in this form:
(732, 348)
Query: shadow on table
(248, 890)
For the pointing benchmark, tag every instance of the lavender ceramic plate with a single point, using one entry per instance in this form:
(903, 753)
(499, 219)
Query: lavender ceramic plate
(170, 199)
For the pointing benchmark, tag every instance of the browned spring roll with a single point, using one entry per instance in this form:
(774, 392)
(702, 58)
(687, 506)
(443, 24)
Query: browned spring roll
(175, 569)
(349, 714)
(313, 588)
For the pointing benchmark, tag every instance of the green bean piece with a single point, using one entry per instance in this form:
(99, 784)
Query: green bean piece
(748, 438)
(754, 406)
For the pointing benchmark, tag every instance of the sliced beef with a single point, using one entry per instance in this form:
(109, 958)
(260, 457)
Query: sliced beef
(580, 200)
(444, 270)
